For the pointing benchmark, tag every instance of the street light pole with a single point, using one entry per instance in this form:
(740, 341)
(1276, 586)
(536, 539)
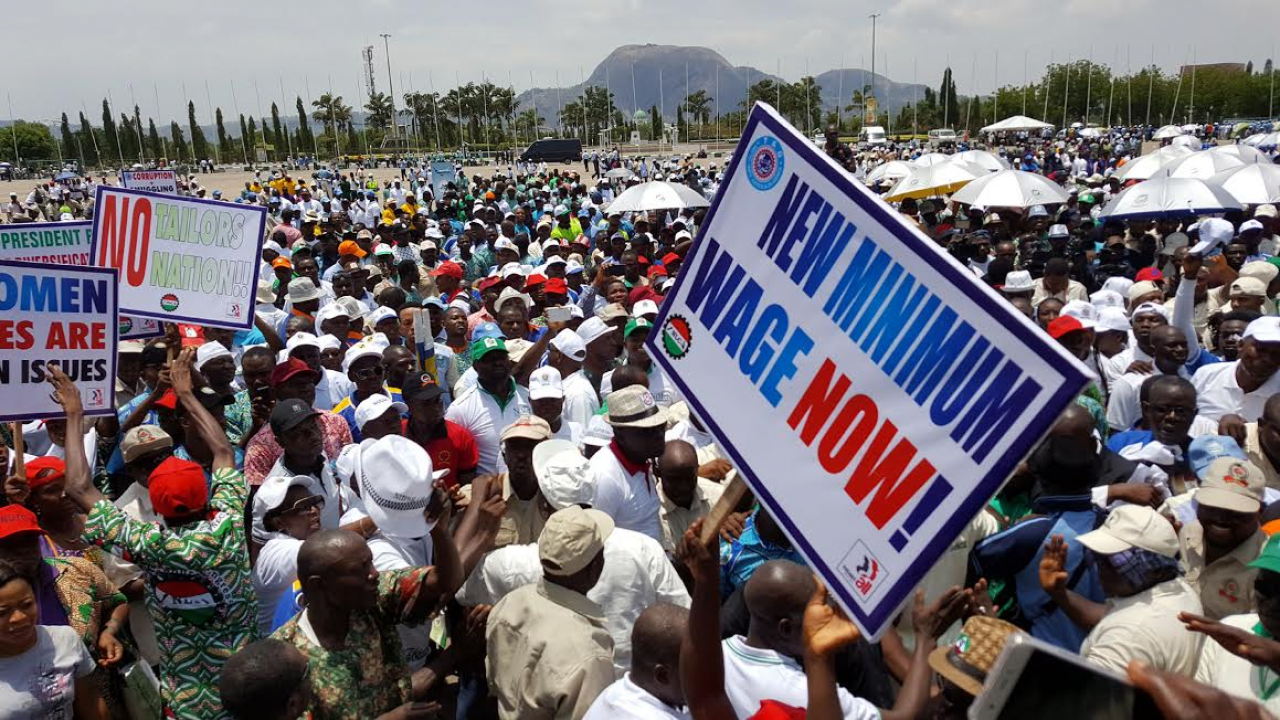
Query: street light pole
(386, 49)
(873, 61)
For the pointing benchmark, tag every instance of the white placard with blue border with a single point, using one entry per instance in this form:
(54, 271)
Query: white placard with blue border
(872, 391)
(161, 181)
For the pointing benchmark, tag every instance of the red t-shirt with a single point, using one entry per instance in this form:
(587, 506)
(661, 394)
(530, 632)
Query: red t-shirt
(455, 452)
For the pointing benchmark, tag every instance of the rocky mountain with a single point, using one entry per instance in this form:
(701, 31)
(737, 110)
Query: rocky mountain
(659, 73)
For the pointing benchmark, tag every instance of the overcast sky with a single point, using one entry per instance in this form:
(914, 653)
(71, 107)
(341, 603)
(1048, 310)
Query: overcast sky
(56, 63)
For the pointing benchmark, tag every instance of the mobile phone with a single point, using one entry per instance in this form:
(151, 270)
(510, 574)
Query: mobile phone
(1033, 679)
(560, 314)
(616, 270)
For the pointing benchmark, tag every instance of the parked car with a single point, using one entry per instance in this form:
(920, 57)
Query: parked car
(872, 136)
(553, 150)
(942, 137)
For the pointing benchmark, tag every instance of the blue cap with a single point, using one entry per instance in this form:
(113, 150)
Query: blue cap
(1207, 448)
(433, 300)
(487, 329)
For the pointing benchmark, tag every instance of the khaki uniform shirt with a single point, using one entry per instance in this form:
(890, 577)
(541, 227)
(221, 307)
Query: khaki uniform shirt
(522, 524)
(1145, 627)
(675, 519)
(1253, 448)
(549, 655)
(1226, 584)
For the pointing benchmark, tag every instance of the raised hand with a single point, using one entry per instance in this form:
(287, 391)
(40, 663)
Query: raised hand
(1053, 566)
(826, 628)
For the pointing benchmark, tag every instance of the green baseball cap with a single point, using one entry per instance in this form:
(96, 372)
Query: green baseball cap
(484, 346)
(635, 324)
(1270, 557)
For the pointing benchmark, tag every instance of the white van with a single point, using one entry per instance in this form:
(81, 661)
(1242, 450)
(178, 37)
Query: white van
(872, 136)
(942, 137)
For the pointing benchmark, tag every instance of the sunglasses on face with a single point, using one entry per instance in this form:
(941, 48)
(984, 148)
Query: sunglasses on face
(305, 504)
(369, 373)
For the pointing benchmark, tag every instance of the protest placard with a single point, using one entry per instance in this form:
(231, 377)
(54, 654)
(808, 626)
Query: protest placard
(161, 181)
(872, 391)
(54, 314)
(443, 172)
(64, 243)
(180, 259)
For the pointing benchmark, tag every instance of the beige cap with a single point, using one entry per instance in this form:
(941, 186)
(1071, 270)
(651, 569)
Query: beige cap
(142, 440)
(1130, 526)
(634, 406)
(1141, 289)
(529, 427)
(130, 347)
(612, 311)
(1264, 271)
(1232, 484)
(571, 539)
(1248, 287)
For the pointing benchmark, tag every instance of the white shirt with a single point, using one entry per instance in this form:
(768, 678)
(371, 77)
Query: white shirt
(580, 400)
(631, 500)
(1123, 405)
(624, 700)
(397, 553)
(338, 498)
(275, 571)
(1145, 627)
(1116, 365)
(570, 431)
(1233, 674)
(332, 388)
(41, 682)
(636, 574)
(1218, 393)
(662, 390)
(480, 413)
(754, 674)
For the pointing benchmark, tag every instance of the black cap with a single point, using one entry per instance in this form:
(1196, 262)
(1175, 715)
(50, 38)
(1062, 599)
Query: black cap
(211, 399)
(288, 414)
(420, 386)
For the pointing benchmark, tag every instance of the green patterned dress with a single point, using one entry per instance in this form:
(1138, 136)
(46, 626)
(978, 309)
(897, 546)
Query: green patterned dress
(199, 591)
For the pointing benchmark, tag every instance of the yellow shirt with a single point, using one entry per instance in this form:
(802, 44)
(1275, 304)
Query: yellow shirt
(549, 655)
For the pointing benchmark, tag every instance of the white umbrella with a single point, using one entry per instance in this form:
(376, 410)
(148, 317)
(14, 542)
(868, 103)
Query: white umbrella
(619, 173)
(1148, 165)
(1170, 197)
(983, 159)
(891, 171)
(1166, 132)
(1190, 127)
(928, 159)
(1011, 189)
(1090, 132)
(1252, 140)
(1252, 184)
(934, 180)
(657, 195)
(1016, 123)
(1266, 140)
(1202, 165)
(1244, 152)
(1188, 141)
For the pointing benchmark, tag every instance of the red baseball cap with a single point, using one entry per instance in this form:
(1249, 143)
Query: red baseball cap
(1149, 274)
(15, 519)
(556, 286)
(488, 282)
(671, 258)
(657, 270)
(534, 279)
(288, 369)
(1062, 325)
(178, 488)
(36, 475)
(451, 269)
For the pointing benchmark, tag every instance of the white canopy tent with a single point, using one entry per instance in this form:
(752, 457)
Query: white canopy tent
(1017, 123)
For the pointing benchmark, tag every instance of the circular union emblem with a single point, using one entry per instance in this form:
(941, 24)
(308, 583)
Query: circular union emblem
(169, 302)
(765, 162)
(676, 337)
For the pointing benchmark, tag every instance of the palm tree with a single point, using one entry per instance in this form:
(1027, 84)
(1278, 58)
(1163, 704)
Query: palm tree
(379, 107)
(532, 120)
(698, 106)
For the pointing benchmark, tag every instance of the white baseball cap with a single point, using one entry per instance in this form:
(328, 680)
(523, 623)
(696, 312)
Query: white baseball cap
(302, 339)
(1085, 312)
(1130, 526)
(396, 483)
(570, 344)
(371, 346)
(599, 433)
(562, 474)
(375, 406)
(1265, 329)
(593, 329)
(644, 307)
(271, 494)
(545, 382)
(511, 269)
(1112, 319)
(210, 351)
(378, 314)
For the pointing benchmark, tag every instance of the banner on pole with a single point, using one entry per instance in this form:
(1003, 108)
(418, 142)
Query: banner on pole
(161, 181)
(180, 259)
(443, 172)
(54, 314)
(871, 390)
(64, 244)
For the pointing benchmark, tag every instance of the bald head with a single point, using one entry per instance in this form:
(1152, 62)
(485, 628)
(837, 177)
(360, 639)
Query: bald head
(1075, 421)
(628, 375)
(656, 637)
(776, 596)
(324, 550)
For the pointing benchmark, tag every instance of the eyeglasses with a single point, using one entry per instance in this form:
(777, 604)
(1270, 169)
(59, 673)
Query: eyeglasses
(305, 504)
(1175, 410)
(369, 373)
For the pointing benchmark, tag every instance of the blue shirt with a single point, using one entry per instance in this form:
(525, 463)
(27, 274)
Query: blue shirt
(740, 559)
(346, 407)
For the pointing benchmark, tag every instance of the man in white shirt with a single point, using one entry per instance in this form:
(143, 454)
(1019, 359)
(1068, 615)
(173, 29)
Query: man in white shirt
(651, 690)
(566, 353)
(494, 403)
(1234, 393)
(624, 485)
(1136, 551)
(1169, 353)
(546, 398)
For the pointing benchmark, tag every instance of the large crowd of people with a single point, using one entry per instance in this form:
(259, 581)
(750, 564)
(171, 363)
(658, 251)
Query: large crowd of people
(330, 515)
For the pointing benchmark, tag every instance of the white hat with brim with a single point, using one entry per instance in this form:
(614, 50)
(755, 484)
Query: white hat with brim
(562, 474)
(302, 290)
(1232, 484)
(396, 484)
(271, 494)
(375, 406)
(1130, 526)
